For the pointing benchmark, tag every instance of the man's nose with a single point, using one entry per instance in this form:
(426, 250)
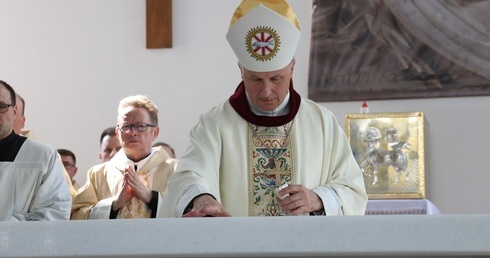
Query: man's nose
(267, 89)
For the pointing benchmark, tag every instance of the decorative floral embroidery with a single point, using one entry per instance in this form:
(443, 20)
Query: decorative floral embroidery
(270, 166)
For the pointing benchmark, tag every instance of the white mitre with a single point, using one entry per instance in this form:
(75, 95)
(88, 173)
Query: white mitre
(264, 34)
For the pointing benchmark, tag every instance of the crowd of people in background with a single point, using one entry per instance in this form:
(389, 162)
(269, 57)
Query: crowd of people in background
(265, 151)
(29, 207)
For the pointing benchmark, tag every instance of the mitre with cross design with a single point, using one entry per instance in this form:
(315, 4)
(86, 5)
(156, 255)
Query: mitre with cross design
(264, 34)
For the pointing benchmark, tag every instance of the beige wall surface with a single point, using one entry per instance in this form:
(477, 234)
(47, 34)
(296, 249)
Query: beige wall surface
(73, 61)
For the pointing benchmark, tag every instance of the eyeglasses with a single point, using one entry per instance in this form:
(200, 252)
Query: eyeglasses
(141, 127)
(68, 165)
(5, 107)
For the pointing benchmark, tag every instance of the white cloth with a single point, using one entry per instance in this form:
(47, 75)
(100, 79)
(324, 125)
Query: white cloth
(216, 162)
(401, 207)
(33, 186)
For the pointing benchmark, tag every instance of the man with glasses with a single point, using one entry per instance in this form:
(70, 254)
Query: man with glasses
(133, 182)
(32, 183)
(70, 163)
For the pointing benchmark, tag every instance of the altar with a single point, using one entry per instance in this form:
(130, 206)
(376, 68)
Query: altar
(347, 236)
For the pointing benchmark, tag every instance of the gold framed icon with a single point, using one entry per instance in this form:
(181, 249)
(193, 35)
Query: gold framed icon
(389, 148)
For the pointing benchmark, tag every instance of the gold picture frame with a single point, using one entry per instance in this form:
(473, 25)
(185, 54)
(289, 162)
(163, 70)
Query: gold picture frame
(389, 148)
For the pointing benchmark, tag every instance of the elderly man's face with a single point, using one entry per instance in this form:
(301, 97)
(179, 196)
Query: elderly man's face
(6, 118)
(267, 90)
(137, 145)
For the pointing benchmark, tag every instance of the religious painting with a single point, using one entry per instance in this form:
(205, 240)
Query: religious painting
(375, 49)
(389, 148)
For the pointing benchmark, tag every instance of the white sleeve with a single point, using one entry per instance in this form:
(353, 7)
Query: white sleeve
(188, 193)
(331, 202)
(102, 210)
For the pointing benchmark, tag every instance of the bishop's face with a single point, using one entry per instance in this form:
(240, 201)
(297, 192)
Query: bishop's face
(267, 90)
(136, 144)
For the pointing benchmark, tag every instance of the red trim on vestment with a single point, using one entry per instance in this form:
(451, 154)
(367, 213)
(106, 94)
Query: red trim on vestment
(239, 102)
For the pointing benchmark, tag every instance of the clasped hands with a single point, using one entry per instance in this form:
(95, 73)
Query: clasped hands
(132, 186)
(300, 200)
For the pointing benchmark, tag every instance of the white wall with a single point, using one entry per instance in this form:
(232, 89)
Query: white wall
(74, 60)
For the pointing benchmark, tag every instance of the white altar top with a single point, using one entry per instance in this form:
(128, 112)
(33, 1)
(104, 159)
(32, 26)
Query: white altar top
(348, 236)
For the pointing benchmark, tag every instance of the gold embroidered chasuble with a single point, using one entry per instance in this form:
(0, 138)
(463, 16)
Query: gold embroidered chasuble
(136, 208)
(104, 181)
(270, 166)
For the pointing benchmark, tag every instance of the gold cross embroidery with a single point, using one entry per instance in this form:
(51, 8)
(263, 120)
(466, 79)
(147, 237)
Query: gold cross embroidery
(277, 172)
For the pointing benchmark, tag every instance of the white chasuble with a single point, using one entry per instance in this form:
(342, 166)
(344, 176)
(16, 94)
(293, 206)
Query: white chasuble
(33, 188)
(270, 166)
(239, 158)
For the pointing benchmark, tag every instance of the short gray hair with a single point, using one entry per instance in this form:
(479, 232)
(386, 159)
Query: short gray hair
(139, 101)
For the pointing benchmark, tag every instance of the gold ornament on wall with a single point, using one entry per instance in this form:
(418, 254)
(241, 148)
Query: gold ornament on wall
(389, 148)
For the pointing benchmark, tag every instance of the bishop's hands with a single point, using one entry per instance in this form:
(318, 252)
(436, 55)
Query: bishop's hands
(206, 206)
(132, 186)
(300, 200)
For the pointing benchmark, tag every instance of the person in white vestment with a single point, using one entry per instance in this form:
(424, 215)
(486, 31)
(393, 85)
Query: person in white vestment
(32, 183)
(19, 123)
(132, 184)
(266, 151)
